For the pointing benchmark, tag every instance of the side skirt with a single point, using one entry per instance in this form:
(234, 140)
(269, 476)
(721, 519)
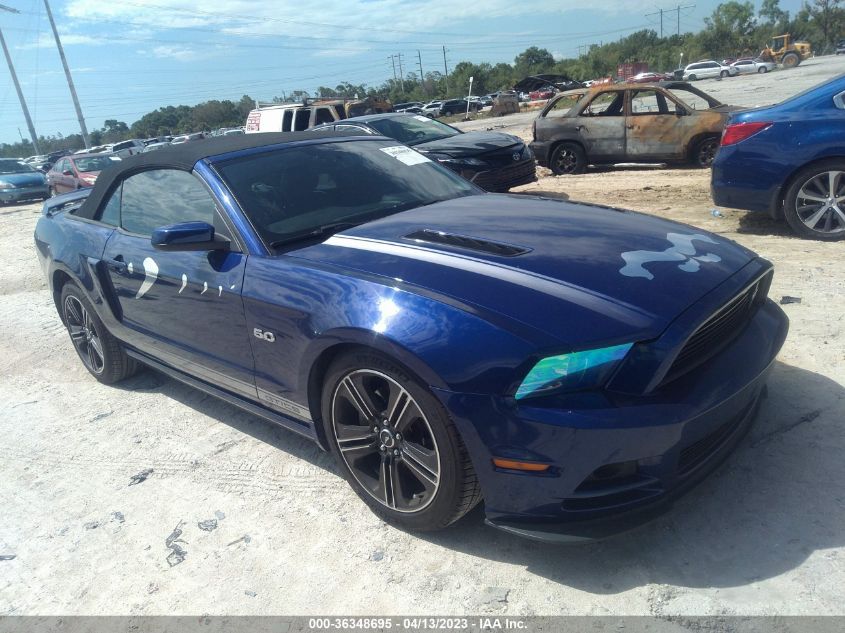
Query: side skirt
(297, 426)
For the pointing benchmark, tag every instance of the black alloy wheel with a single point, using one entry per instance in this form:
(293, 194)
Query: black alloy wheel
(395, 442)
(386, 440)
(705, 152)
(568, 159)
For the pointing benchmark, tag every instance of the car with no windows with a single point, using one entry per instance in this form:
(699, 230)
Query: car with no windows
(638, 123)
(575, 367)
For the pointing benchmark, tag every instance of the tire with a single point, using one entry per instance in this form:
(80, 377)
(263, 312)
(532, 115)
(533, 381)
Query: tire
(394, 430)
(568, 159)
(724, 74)
(101, 354)
(692, 77)
(53, 193)
(790, 60)
(762, 70)
(704, 151)
(817, 219)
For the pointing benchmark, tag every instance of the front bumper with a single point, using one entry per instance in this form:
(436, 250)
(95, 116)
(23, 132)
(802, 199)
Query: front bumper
(668, 440)
(24, 193)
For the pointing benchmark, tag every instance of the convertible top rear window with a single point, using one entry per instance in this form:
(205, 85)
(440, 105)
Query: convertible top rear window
(290, 193)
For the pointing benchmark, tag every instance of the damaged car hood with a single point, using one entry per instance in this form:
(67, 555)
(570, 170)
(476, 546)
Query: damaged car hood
(608, 274)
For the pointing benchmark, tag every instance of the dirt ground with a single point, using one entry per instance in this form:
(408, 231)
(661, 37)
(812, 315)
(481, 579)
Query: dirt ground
(152, 498)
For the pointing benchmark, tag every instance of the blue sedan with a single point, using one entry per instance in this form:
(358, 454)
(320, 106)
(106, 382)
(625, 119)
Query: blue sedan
(575, 367)
(19, 182)
(788, 160)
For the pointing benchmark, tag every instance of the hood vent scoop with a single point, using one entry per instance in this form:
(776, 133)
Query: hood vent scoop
(467, 243)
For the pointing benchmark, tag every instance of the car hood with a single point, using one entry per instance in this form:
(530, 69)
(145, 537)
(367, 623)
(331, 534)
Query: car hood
(25, 179)
(89, 174)
(469, 144)
(580, 273)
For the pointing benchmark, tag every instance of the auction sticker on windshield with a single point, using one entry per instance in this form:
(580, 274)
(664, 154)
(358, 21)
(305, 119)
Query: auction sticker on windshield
(420, 117)
(405, 154)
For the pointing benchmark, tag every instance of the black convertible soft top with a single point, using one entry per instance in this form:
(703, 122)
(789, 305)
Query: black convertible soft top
(185, 155)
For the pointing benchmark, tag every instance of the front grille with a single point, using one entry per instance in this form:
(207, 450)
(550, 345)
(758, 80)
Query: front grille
(469, 243)
(720, 329)
(700, 451)
(507, 176)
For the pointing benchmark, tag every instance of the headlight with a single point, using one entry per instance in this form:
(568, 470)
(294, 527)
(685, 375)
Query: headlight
(572, 372)
(445, 158)
(6, 185)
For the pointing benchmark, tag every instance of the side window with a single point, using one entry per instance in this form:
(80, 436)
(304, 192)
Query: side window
(164, 196)
(323, 115)
(287, 120)
(562, 106)
(111, 212)
(605, 104)
(651, 102)
(63, 165)
(301, 121)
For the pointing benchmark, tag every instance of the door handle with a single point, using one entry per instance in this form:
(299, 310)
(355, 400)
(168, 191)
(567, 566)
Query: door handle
(117, 265)
(630, 127)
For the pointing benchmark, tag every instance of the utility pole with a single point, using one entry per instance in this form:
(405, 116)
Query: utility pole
(422, 77)
(677, 11)
(70, 85)
(12, 72)
(446, 70)
(401, 72)
(393, 62)
(393, 59)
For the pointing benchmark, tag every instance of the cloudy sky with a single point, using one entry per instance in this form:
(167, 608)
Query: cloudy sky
(131, 56)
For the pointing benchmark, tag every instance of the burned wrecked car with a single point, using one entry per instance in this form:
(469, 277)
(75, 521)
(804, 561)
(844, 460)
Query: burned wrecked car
(664, 122)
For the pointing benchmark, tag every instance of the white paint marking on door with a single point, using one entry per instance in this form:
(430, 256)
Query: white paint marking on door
(184, 282)
(204, 287)
(150, 276)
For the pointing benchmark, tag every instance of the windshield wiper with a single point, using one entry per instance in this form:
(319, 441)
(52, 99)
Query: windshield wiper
(325, 229)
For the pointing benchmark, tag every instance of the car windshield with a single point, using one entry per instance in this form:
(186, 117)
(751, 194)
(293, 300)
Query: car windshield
(13, 167)
(412, 130)
(300, 192)
(95, 163)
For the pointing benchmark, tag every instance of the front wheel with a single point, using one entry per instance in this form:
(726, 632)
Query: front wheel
(568, 159)
(723, 74)
(692, 77)
(790, 60)
(395, 443)
(705, 151)
(101, 353)
(762, 70)
(814, 205)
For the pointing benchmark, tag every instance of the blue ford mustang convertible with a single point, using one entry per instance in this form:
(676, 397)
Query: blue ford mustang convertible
(575, 367)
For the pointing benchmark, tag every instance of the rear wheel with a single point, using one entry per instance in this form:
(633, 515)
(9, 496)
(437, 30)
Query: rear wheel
(790, 60)
(762, 70)
(704, 152)
(395, 443)
(568, 159)
(101, 353)
(814, 204)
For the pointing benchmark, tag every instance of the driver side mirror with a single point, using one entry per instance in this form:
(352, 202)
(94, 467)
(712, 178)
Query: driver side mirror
(188, 236)
(681, 112)
(67, 172)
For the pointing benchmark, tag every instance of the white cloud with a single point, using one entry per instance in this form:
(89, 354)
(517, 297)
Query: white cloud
(46, 40)
(380, 20)
(179, 53)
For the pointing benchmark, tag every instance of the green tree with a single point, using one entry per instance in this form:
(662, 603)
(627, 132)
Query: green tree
(533, 61)
(828, 16)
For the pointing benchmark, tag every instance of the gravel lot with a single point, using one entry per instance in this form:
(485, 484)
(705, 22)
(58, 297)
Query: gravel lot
(236, 516)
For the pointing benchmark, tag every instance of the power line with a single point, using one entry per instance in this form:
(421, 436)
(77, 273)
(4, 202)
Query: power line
(677, 10)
